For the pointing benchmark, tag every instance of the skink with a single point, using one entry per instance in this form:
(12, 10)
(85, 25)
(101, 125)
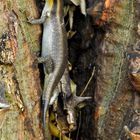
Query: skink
(54, 48)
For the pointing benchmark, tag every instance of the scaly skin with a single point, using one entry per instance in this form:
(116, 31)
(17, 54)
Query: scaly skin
(54, 46)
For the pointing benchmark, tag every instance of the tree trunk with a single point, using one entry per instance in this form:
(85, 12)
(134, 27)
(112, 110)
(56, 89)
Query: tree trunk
(101, 42)
(112, 34)
(19, 45)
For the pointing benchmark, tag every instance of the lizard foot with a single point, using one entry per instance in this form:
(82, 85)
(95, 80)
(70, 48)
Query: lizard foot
(49, 66)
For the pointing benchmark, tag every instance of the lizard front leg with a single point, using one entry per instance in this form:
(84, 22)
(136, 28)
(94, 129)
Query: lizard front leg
(44, 15)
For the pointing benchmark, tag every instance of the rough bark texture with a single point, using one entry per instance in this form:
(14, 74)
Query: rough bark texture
(112, 36)
(19, 44)
(113, 91)
(102, 42)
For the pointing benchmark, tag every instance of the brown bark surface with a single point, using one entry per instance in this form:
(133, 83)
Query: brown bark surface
(112, 34)
(19, 45)
(101, 42)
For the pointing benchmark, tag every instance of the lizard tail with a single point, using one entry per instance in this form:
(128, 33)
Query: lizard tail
(45, 108)
(47, 134)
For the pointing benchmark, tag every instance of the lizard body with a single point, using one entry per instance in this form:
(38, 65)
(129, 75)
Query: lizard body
(54, 48)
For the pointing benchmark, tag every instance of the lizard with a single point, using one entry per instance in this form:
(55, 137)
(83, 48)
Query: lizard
(54, 49)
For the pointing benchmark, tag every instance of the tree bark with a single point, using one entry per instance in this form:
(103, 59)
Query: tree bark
(113, 90)
(100, 42)
(113, 33)
(19, 45)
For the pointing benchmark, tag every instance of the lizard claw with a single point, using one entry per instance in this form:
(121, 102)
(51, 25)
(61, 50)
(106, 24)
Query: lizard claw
(30, 20)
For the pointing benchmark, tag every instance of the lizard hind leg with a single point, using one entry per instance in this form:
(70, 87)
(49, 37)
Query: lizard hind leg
(47, 62)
